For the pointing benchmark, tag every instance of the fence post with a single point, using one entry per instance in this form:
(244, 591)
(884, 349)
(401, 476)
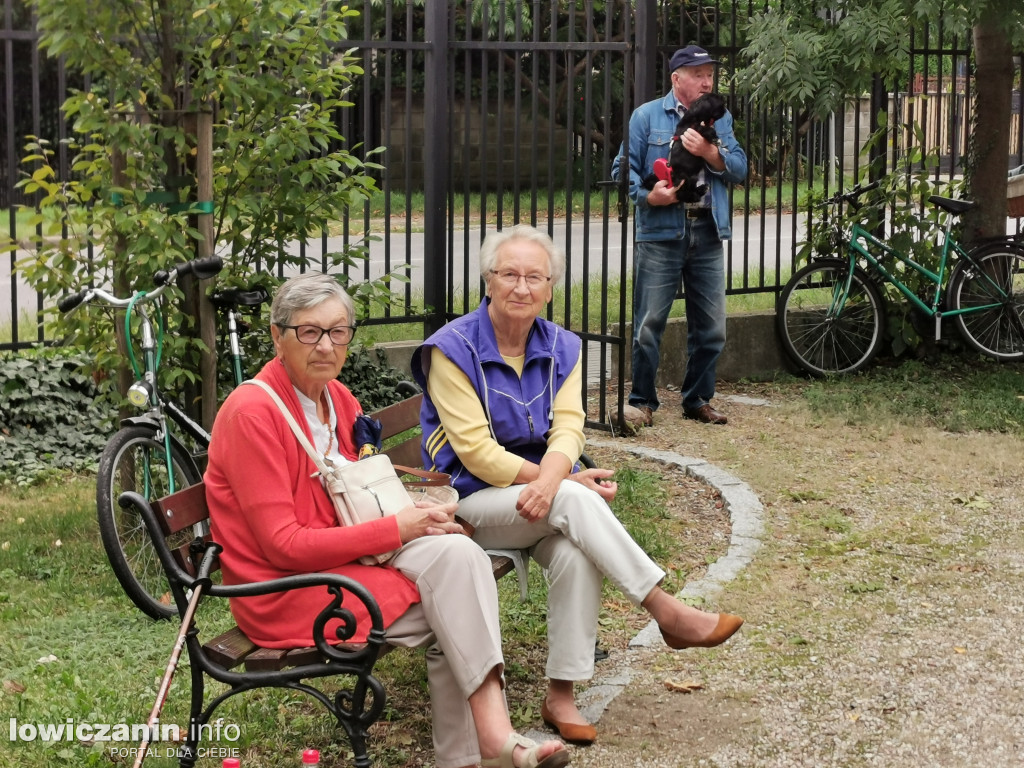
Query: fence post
(646, 52)
(877, 155)
(436, 169)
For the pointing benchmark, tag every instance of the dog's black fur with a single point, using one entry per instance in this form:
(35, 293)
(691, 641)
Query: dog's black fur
(700, 116)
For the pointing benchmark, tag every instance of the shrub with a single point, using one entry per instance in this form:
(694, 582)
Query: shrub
(50, 418)
(371, 378)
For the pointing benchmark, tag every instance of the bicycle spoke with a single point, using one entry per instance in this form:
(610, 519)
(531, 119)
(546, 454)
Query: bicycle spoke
(989, 296)
(136, 460)
(826, 325)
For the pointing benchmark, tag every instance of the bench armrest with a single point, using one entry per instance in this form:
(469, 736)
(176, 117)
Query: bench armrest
(336, 586)
(181, 581)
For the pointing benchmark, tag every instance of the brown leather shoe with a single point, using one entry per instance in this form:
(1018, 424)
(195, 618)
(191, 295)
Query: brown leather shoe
(571, 732)
(648, 413)
(707, 414)
(724, 629)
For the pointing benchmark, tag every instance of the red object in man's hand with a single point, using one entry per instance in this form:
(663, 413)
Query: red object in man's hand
(662, 171)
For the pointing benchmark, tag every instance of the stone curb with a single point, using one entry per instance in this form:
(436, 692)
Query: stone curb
(746, 516)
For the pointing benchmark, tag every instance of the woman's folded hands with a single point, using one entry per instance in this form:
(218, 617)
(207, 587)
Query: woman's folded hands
(427, 518)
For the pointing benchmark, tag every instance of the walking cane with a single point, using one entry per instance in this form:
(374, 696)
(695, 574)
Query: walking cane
(202, 581)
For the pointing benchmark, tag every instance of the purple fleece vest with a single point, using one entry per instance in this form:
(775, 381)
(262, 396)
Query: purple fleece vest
(519, 408)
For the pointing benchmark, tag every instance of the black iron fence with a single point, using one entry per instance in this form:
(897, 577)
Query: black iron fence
(495, 113)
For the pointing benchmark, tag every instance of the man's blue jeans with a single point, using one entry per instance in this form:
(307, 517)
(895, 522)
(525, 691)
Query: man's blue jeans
(698, 260)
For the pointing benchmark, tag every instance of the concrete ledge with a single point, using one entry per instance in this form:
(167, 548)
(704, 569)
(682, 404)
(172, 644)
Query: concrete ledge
(752, 350)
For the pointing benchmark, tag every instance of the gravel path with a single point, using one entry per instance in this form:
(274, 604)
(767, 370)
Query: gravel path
(882, 578)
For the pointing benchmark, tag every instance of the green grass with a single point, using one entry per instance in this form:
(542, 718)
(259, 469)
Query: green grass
(27, 329)
(772, 199)
(466, 211)
(956, 393)
(21, 218)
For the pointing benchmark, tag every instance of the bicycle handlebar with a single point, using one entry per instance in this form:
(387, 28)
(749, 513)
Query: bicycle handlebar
(201, 268)
(850, 196)
(68, 303)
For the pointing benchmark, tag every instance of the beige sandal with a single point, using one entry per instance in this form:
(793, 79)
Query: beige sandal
(504, 760)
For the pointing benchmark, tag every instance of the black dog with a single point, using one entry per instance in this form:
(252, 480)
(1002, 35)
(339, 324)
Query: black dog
(683, 164)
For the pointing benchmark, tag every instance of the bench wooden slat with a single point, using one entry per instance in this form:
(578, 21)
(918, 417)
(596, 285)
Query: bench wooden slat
(182, 509)
(396, 419)
(296, 657)
(266, 659)
(500, 565)
(407, 453)
(183, 557)
(230, 649)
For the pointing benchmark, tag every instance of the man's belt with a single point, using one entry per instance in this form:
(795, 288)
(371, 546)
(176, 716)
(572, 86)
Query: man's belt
(698, 212)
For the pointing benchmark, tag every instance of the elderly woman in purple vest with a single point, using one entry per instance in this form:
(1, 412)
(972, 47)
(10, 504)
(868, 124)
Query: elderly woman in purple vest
(503, 414)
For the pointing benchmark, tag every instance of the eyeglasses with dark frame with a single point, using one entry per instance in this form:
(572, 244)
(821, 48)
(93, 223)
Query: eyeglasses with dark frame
(311, 334)
(509, 277)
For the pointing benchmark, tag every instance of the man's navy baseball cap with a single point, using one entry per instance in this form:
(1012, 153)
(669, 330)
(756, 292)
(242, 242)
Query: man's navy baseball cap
(690, 56)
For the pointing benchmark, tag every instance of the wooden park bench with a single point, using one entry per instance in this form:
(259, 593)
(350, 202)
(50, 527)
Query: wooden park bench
(231, 658)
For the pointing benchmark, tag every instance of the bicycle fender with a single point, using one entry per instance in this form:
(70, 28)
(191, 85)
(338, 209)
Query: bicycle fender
(145, 420)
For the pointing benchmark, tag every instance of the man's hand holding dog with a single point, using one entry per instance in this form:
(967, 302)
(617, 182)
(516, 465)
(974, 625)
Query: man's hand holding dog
(663, 193)
(697, 145)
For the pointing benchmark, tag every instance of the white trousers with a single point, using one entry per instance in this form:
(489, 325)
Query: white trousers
(579, 541)
(457, 621)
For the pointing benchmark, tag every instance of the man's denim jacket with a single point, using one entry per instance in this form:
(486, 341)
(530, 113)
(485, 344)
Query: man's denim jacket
(651, 128)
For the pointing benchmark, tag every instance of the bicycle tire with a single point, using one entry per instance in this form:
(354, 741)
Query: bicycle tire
(134, 459)
(819, 342)
(996, 278)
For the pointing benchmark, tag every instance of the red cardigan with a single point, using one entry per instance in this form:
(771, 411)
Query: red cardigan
(273, 519)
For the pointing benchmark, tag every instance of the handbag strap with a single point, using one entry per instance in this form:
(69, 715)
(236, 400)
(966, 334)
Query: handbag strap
(299, 434)
(427, 477)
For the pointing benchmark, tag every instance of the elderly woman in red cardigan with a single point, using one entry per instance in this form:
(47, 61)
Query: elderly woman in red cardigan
(274, 519)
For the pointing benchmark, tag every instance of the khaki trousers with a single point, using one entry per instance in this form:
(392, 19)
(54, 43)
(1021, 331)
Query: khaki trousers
(578, 543)
(457, 622)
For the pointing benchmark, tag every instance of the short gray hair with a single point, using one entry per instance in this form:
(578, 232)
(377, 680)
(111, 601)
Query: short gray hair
(493, 242)
(306, 291)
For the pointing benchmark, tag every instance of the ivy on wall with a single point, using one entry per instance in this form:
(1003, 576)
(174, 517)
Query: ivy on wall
(50, 418)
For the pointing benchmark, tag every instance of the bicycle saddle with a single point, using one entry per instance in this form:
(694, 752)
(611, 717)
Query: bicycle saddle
(236, 297)
(951, 205)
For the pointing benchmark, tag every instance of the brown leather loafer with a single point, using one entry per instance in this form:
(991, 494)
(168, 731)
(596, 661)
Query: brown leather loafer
(571, 732)
(648, 413)
(707, 414)
(724, 629)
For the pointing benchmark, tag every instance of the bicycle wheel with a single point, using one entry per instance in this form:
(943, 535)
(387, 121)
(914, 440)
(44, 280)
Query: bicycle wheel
(134, 460)
(989, 296)
(826, 328)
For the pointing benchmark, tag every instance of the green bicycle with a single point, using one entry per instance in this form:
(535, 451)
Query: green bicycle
(831, 314)
(160, 450)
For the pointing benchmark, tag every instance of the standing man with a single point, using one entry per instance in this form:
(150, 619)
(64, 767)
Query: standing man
(680, 241)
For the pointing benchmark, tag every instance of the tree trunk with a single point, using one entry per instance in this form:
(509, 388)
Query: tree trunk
(988, 155)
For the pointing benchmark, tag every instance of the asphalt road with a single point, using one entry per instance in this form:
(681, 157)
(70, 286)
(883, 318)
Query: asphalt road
(769, 237)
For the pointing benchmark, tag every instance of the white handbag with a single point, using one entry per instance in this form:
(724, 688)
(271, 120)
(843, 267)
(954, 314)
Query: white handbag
(370, 488)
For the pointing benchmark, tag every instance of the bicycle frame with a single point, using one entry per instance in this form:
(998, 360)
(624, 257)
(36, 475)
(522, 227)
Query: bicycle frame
(160, 407)
(856, 249)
